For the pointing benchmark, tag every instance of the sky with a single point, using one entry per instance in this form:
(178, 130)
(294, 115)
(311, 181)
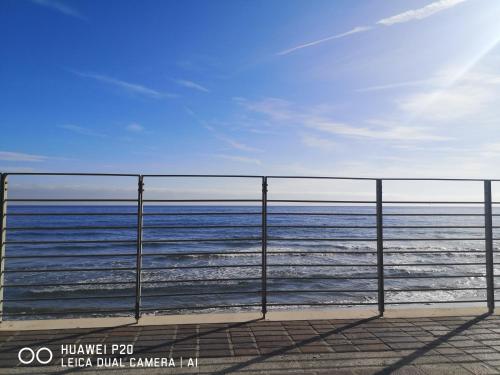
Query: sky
(368, 88)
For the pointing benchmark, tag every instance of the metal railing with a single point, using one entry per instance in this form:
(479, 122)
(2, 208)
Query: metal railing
(132, 273)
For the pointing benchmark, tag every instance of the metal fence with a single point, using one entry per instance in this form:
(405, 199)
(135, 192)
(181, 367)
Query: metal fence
(130, 278)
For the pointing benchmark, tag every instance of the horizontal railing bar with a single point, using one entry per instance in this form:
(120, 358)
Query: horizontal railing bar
(433, 226)
(434, 252)
(202, 240)
(198, 213)
(200, 200)
(72, 214)
(70, 270)
(63, 298)
(430, 302)
(316, 201)
(432, 264)
(66, 256)
(319, 214)
(324, 291)
(196, 267)
(377, 178)
(322, 239)
(434, 276)
(326, 278)
(325, 226)
(197, 307)
(243, 176)
(68, 284)
(431, 289)
(385, 226)
(72, 174)
(323, 178)
(432, 214)
(10, 242)
(202, 293)
(71, 228)
(69, 200)
(203, 253)
(201, 280)
(321, 252)
(324, 304)
(434, 239)
(433, 179)
(198, 226)
(433, 202)
(321, 265)
(203, 175)
(55, 312)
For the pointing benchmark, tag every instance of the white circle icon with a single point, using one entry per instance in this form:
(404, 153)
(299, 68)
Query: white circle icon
(34, 355)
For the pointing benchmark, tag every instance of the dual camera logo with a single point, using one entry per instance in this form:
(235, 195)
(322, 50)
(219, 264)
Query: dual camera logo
(42, 356)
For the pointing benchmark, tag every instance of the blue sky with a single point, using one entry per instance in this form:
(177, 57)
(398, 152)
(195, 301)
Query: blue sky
(366, 88)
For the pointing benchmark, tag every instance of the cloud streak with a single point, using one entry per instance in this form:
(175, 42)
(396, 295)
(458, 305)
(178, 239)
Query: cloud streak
(235, 144)
(407, 16)
(240, 159)
(229, 141)
(19, 156)
(135, 128)
(420, 13)
(60, 7)
(357, 29)
(82, 131)
(191, 85)
(283, 112)
(131, 88)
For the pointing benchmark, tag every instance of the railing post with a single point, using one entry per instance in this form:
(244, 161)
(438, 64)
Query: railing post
(138, 285)
(3, 235)
(488, 235)
(264, 247)
(380, 248)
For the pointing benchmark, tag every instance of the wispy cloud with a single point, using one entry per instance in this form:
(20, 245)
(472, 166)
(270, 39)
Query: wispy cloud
(319, 143)
(236, 144)
(191, 85)
(472, 96)
(229, 141)
(284, 112)
(19, 156)
(240, 159)
(385, 131)
(132, 88)
(82, 130)
(395, 85)
(60, 7)
(409, 15)
(420, 13)
(135, 128)
(356, 30)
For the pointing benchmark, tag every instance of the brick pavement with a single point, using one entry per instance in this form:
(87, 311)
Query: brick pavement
(438, 345)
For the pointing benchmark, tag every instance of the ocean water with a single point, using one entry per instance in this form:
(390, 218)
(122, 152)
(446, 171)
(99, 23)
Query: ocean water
(309, 263)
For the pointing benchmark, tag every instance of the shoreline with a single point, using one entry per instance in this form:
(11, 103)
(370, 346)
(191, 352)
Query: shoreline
(420, 311)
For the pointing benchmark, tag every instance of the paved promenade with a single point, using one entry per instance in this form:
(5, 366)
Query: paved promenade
(434, 345)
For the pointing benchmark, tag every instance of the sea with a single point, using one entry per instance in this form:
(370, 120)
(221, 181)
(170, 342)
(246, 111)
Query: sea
(209, 258)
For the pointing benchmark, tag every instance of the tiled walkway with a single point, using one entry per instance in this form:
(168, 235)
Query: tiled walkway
(440, 345)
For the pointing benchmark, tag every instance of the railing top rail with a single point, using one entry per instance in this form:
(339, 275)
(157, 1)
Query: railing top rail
(247, 176)
(204, 175)
(71, 174)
